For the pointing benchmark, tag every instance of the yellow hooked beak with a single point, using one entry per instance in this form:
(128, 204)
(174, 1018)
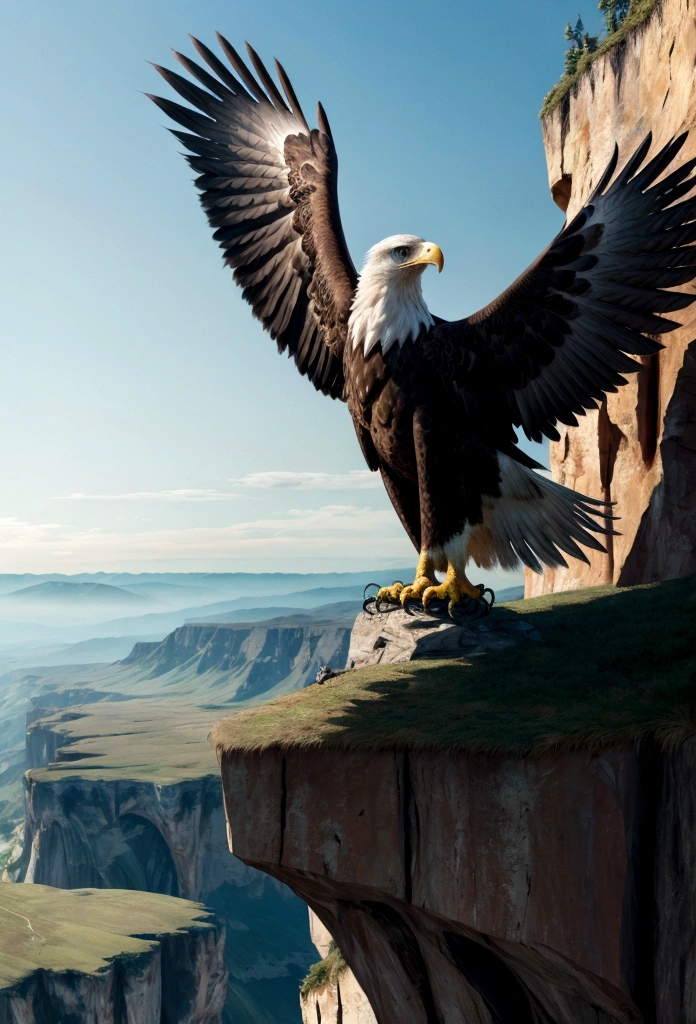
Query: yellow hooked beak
(429, 253)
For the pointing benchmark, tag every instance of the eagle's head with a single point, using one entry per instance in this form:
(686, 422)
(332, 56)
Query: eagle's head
(388, 306)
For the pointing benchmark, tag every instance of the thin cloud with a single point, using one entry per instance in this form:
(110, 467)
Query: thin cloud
(182, 494)
(353, 480)
(329, 532)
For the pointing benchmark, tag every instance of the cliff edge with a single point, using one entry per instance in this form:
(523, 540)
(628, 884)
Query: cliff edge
(499, 839)
(126, 795)
(84, 955)
(639, 449)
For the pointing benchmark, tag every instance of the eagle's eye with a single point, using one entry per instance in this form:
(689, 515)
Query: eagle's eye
(401, 253)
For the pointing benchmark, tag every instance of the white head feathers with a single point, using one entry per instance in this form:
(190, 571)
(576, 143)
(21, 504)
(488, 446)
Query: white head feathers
(388, 306)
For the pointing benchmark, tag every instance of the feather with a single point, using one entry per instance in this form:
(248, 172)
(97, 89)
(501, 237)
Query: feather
(250, 189)
(290, 93)
(246, 77)
(267, 81)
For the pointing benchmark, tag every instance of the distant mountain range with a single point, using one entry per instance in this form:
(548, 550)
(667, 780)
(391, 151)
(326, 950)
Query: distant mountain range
(59, 610)
(78, 593)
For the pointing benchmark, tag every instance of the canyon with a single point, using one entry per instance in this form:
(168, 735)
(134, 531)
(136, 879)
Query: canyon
(126, 795)
(122, 791)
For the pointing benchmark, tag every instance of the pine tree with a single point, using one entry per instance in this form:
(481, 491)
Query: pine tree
(614, 12)
(581, 42)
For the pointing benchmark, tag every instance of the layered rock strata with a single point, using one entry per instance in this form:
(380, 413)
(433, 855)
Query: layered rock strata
(639, 450)
(487, 890)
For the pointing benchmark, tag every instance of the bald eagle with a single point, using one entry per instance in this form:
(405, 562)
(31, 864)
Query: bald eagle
(435, 403)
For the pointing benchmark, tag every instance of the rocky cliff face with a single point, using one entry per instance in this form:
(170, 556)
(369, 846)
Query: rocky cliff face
(336, 1002)
(84, 956)
(256, 659)
(466, 878)
(487, 890)
(131, 833)
(639, 449)
(340, 1002)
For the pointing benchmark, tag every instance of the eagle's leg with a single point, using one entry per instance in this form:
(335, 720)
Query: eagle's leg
(425, 577)
(454, 588)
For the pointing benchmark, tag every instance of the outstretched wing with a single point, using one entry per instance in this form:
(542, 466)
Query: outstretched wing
(555, 341)
(268, 186)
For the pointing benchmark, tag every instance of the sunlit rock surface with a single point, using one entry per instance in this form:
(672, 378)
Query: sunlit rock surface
(254, 660)
(639, 450)
(395, 636)
(484, 889)
(339, 1002)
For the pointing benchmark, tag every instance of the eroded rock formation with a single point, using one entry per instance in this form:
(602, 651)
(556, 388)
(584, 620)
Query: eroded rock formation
(487, 890)
(340, 1002)
(256, 658)
(131, 833)
(639, 450)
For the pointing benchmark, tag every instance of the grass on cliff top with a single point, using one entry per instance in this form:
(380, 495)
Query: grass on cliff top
(84, 929)
(639, 12)
(130, 740)
(325, 973)
(615, 665)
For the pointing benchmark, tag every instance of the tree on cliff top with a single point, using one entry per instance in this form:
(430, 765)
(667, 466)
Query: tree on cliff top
(614, 11)
(581, 43)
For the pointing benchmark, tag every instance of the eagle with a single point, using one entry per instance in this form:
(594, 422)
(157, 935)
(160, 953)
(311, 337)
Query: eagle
(437, 404)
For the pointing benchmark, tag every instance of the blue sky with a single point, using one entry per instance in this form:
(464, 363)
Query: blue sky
(147, 421)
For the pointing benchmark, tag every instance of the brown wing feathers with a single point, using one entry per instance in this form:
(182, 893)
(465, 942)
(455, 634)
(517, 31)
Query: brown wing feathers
(556, 340)
(268, 186)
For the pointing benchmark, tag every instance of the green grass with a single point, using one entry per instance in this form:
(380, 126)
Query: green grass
(325, 973)
(615, 666)
(83, 929)
(134, 740)
(639, 13)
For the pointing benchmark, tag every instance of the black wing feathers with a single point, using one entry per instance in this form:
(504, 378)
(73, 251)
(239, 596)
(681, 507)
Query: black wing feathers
(556, 340)
(268, 186)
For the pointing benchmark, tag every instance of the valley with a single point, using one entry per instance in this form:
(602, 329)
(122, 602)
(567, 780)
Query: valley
(108, 780)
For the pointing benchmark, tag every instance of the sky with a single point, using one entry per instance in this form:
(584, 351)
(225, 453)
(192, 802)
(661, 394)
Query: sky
(147, 422)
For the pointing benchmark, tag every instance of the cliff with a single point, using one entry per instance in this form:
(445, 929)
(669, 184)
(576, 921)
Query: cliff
(199, 664)
(330, 993)
(639, 450)
(127, 795)
(255, 659)
(209, 664)
(84, 955)
(495, 840)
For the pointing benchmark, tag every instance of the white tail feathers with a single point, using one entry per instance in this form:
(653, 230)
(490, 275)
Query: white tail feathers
(534, 520)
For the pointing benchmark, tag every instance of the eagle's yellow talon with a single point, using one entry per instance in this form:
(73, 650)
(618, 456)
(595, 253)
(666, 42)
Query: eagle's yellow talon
(415, 591)
(453, 590)
(391, 595)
